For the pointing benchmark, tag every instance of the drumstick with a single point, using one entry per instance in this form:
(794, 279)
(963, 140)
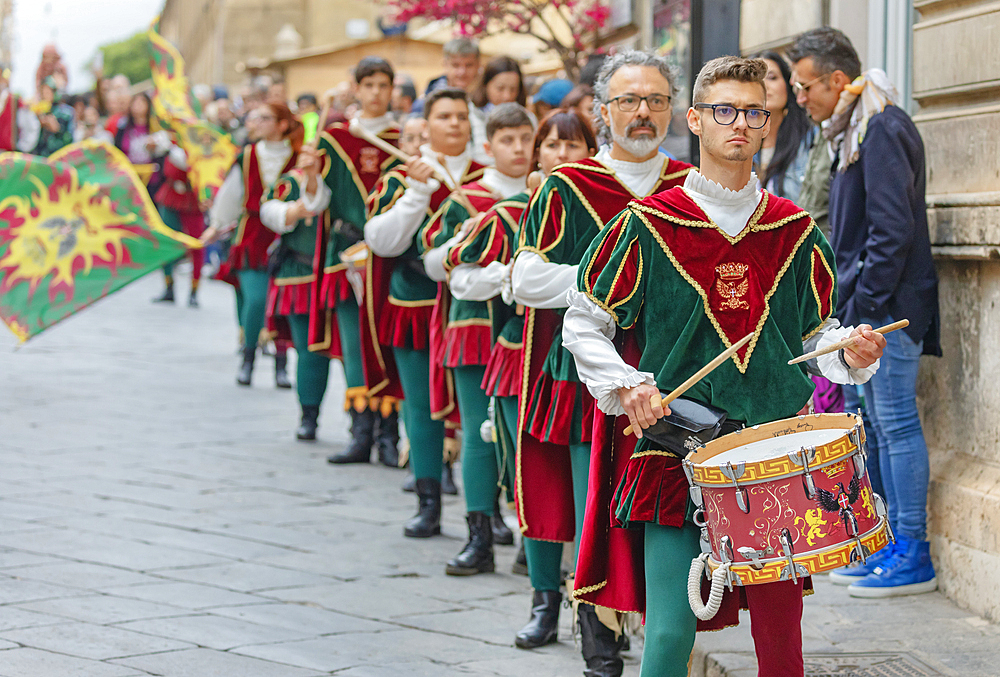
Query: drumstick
(358, 130)
(834, 347)
(700, 374)
(324, 114)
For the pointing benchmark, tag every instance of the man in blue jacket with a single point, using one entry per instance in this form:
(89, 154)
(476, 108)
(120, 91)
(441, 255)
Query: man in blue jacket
(878, 223)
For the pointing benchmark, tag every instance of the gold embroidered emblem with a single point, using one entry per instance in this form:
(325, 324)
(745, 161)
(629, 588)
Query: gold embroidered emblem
(732, 285)
(369, 160)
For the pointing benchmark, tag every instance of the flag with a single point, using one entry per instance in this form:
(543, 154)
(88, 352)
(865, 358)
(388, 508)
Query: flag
(210, 153)
(74, 227)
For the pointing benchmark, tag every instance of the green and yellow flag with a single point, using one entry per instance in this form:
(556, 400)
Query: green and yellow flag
(210, 152)
(74, 227)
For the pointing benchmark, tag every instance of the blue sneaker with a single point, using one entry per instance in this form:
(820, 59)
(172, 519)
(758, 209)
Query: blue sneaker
(908, 571)
(855, 572)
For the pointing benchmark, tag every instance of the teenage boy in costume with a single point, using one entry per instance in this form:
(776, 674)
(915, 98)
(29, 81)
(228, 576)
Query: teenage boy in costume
(633, 99)
(467, 338)
(350, 167)
(658, 271)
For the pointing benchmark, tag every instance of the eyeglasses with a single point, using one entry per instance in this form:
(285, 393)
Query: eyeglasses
(804, 89)
(725, 114)
(629, 103)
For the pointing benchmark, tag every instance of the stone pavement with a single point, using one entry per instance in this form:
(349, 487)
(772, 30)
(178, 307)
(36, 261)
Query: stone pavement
(157, 520)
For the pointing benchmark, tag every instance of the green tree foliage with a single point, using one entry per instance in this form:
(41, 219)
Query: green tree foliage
(127, 57)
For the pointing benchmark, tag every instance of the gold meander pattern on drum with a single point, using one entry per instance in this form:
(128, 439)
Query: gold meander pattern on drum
(774, 467)
(814, 562)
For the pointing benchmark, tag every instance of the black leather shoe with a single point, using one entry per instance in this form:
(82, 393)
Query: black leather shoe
(601, 650)
(362, 438)
(281, 371)
(387, 439)
(310, 421)
(502, 535)
(448, 481)
(543, 627)
(427, 521)
(246, 368)
(520, 565)
(167, 296)
(477, 555)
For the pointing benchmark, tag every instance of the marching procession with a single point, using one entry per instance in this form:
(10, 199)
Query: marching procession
(603, 340)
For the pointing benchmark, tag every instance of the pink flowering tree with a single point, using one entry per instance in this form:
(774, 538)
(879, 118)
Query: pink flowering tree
(569, 27)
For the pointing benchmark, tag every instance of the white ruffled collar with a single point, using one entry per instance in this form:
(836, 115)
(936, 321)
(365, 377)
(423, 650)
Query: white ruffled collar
(456, 164)
(654, 163)
(376, 125)
(502, 184)
(710, 191)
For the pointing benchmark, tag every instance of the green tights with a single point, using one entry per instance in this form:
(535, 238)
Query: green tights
(425, 434)
(312, 369)
(480, 474)
(350, 342)
(670, 624)
(253, 288)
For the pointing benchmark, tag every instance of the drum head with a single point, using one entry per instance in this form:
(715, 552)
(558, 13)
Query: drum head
(777, 446)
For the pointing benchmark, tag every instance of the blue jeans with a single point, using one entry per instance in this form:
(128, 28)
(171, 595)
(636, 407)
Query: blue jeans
(898, 467)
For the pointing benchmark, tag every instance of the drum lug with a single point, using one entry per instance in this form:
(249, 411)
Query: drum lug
(726, 554)
(860, 553)
(688, 471)
(754, 556)
(742, 500)
(696, 496)
(793, 570)
(882, 511)
(859, 463)
(809, 485)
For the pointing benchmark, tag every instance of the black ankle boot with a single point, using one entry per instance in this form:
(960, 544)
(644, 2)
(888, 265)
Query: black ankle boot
(543, 627)
(387, 439)
(502, 535)
(427, 521)
(362, 438)
(167, 296)
(520, 565)
(448, 481)
(246, 368)
(477, 555)
(193, 299)
(281, 371)
(601, 651)
(310, 421)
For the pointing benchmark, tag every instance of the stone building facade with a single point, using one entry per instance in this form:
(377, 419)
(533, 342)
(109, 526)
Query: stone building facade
(946, 56)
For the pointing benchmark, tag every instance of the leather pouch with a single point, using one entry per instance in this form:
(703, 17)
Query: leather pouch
(689, 425)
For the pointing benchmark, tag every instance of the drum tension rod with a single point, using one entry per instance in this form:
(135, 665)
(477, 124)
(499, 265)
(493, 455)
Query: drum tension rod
(803, 457)
(742, 499)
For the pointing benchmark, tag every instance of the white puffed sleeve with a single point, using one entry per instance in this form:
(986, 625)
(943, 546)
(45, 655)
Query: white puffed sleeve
(587, 332)
(391, 232)
(832, 365)
(469, 282)
(537, 283)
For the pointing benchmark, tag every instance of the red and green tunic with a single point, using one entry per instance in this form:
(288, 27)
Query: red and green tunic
(493, 238)
(564, 216)
(687, 290)
(399, 297)
(294, 283)
(459, 330)
(8, 121)
(249, 250)
(351, 168)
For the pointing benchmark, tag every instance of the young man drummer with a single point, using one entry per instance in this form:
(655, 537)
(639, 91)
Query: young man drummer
(467, 336)
(350, 168)
(686, 273)
(633, 97)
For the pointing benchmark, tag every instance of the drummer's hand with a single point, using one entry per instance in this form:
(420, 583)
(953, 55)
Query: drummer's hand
(868, 347)
(310, 161)
(296, 212)
(639, 408)
(418, 170)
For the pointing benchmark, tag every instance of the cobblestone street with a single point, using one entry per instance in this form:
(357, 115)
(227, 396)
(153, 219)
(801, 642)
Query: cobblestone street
(155, 519)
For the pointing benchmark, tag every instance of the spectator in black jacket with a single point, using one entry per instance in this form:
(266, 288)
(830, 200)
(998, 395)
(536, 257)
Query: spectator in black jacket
(878, 225)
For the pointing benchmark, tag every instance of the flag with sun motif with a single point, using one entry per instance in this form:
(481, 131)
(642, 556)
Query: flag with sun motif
(74, 227)
(210, 152)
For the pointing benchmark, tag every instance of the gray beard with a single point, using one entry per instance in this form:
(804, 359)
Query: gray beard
(637, 147)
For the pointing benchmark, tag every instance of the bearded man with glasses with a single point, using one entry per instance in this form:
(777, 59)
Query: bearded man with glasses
(667, 285)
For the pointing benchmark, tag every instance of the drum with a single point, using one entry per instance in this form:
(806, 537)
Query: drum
(787, 499)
